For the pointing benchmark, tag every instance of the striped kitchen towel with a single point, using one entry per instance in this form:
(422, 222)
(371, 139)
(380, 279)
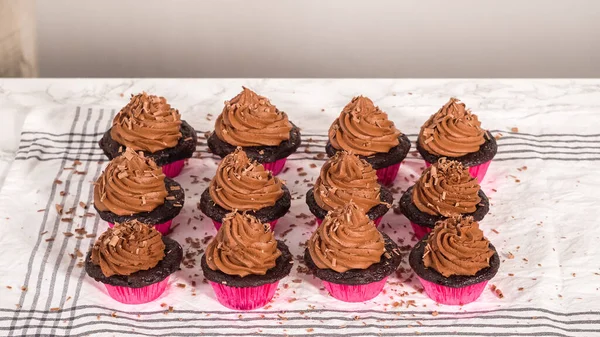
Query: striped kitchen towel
(543, 188)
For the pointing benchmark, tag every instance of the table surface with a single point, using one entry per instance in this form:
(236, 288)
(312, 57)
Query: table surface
(542, 185)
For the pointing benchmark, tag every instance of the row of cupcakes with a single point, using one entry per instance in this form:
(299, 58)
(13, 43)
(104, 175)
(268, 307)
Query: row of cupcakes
(149, 124)
(244, 263)
(133, 189)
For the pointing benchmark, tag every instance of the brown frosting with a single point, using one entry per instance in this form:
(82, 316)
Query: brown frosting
(127, 248)
(147, 123)
(243, 246)
(249, 119)
(446, 188)
(452, 132)
(346, 240)
(131, 183)
(363, 129)
(456, 246)
(346, 177)
(242, 184)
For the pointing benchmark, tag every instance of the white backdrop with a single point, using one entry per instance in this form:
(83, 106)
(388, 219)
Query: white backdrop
(316, 38)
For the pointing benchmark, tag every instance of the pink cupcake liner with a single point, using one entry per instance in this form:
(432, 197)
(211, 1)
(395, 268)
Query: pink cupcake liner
(376, 221)
(275, 167)
(355, 293)
(420, 231)
(138, 295)
(173, 169)
(272, 224)
(387, 175)
(244, 298)
(453, 296)
(163, 228)
(478, 171)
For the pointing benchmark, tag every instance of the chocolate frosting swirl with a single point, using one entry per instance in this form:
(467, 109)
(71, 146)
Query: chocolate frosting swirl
(249, 119)
(147, 123)
(131, 183)
(456, 246)
(453, 131)
(346, 240)
(127, 248)
(243, 246)
(242, 184)
(346, 177)
(363, 129)
(446, 188)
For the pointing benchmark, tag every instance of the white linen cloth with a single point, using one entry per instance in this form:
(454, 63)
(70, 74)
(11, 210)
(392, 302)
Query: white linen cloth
(543, 189)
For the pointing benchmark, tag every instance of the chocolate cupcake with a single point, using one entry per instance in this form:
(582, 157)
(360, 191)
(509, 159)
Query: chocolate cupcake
(241, 184)
(455, 261)
(344, 178)
(263, 131)
(444, 190)
(133, 187)
(455, 133)
(149, 124)
(350, 256)
(244, 262)
(134, 262)
(363, 129)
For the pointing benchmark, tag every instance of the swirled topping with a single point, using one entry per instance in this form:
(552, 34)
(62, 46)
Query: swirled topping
(147, 123)
(363, 129)
(242, 184)
(446, 188)
(346, 240)
(131, 183)
(249, 119)
(243, 246)
(346, 177)
(456, 246)
(453, 131)
(127, 248)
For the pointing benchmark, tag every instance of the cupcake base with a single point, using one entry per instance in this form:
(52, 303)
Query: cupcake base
(422, 219)
(453, 296)
(482, 157)
(381, 160)
(163, 228)
(376, 221)
(375, 213)
(275, 167)
(271, 224)
(172, 170)
(387, 175)
(455, 289)
(244, 298)
(420, 231)
(161, 214)
(355, 293)
(478, 172)
(184, 149)
(145, 294)
(262, 154)
(267, 214)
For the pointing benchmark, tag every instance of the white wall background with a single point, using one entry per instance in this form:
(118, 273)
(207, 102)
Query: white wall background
(319, 38)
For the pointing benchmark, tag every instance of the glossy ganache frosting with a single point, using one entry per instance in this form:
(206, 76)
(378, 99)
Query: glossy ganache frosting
(131, 183)
(453, 131)
(127, 248)
(363, 129)
(456, 246)
(446, 188)
(249, 119)
(344, 178)
(346, 240)
(243, 246)
(242, 184)
(147, 123)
